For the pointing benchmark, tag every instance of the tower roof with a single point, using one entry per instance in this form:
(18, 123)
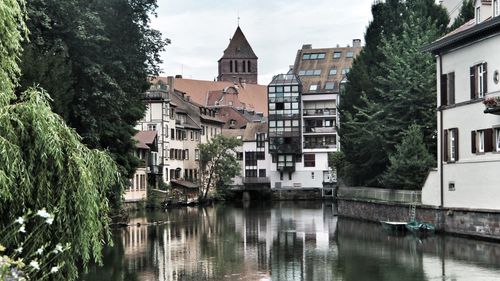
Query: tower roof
(238, 47)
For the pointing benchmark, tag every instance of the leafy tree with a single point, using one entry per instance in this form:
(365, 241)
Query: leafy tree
(410, 163)
(369, 128)
(218, 164)
(43, 164)
(95, 59)
(466, 13)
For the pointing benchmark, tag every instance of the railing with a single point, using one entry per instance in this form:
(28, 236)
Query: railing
(319, 145)
(251, 180)
(156, 94)
(319, 112)
(311, 129)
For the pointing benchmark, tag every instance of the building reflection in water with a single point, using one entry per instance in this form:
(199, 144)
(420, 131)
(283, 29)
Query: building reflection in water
(284, 241)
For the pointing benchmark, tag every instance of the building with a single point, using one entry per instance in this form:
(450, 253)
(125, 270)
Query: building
(468, 114)
(146, 150)
(239, 62)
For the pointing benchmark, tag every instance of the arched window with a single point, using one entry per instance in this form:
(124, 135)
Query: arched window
(248, 67)
(244, 66)
(230, 66)
(235, 66)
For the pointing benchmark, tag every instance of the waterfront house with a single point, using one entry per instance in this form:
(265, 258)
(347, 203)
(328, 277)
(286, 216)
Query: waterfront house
(468, 117)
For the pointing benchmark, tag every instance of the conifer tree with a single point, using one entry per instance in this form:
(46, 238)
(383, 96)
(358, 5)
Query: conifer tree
(466, 13)
(410, 163)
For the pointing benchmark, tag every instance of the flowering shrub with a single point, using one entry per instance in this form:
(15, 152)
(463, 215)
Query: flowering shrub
(25, 260)
(492, 101)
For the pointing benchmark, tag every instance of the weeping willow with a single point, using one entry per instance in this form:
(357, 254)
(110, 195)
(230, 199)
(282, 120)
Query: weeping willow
(43, 164)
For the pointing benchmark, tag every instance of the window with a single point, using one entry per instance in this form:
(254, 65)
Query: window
(244, 66)
(261, 155)
(235, 66)
(317, 72)
(151, 127)
(450, 144)
(192, 135)
(252, 173)
(196, 154)
(313, 56)
(260, 139)
(448, 88)
(285, 161)
(337, 55)
(482, 141)
(333, 71)
(496, 10)
(309, 160)
(230, 66)
(202, 130)
(313, 87)
(186, 154)
(262, 173)
(232, 122)
(329, 85)
(310, 72)
(250, 159)
(345, 70)
(478, 81)
(349, 54)
(478, 15)
(239, 156)
(497, 139)
(248, 66)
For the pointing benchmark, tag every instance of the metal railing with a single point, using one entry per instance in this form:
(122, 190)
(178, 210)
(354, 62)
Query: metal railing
(319, 112)
(313, 129)
(251, 180)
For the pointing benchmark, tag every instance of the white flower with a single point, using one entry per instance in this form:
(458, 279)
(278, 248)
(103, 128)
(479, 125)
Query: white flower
(40, 251)
(20, 220)
(54, 269)
(43, 213)
(58, 249)
(35, 265)
(19, 250)
(49, 220)
(22, 229)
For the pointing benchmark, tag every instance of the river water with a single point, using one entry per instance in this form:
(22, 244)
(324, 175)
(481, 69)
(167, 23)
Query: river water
(284, 241)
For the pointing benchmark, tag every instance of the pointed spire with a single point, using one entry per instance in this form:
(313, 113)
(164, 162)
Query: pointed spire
(239, 47)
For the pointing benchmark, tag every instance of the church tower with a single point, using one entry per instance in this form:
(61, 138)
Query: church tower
(239, 62)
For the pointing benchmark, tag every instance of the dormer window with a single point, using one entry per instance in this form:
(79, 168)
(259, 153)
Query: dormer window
(496, 10)
(478, 15)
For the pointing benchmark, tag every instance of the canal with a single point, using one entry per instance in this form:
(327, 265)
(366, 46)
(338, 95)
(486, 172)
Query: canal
(284, 241)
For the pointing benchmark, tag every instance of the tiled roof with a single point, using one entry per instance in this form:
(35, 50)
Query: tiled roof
(253, 95)
(239, 47)
(233, 133)
(252, 129)
(144, 138)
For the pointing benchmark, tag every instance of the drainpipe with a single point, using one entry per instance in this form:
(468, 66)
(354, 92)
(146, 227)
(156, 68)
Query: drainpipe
(440, 132)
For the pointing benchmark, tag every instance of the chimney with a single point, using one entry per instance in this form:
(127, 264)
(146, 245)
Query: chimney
(306, 46)
(179, 76)
(170, 82)
(356, 43)
(188, 98)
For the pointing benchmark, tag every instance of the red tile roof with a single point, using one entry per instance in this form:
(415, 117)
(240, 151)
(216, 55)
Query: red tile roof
(144, 138)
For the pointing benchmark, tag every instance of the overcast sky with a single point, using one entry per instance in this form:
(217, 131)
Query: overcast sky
(276, 29)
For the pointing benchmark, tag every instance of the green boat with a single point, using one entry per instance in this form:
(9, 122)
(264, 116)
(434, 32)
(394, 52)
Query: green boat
(420, 227)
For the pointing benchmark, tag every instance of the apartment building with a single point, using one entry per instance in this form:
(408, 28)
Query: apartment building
(146, 149)
(468, 114)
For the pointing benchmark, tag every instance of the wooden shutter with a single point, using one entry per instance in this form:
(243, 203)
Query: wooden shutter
(485, 78)
(457, 151)
(473, 142)
(488, 140)
(445, 146)
(444, 89)
(473, 87)
(451, 88)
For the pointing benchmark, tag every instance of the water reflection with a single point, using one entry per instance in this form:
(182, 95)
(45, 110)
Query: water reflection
(284, 241)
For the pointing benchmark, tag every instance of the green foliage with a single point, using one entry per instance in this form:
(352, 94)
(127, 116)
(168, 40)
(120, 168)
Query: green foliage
(94, 58)
(218, 164)
(466, 13)
(391, 85)
(43, 164)
(410, 163)
(12, 31)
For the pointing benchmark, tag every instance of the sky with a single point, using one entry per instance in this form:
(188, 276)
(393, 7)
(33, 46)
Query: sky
(200, 30)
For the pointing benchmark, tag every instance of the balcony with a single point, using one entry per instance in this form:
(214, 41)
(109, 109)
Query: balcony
(259, 180)
(318, 130)
(156, 95)
(319, 145)
(319, 112)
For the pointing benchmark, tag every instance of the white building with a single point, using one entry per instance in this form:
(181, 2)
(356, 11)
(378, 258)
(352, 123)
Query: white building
(468, 63)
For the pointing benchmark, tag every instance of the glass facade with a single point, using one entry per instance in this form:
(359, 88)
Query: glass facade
(284, 97)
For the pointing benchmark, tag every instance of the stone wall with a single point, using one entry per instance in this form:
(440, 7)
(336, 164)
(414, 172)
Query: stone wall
(477, 223)
(381, 194)
(296, 194)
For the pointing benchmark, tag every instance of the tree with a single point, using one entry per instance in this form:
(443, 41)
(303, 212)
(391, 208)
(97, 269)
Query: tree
(374, 86)
(218, 164)
(410, 163)
(466, 13)
(44, 165)
(95, 59)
